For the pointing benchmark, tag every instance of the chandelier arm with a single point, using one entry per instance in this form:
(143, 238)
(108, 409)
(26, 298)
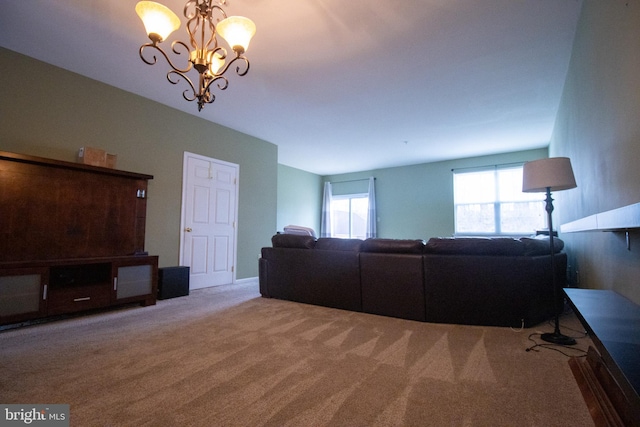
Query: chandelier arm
(212, 33)
(191, 30)
(216, 7)
(166, 57)
(193, 7)
(246, 70)
(240, 70)
(189, 14)
(177, 74)
(222, 85)
(155, 59)
(222, 53)
(174, 47)
(198, 20)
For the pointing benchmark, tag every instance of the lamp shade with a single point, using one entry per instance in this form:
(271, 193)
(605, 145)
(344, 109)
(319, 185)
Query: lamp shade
(237, 31)
(158, 19)
(215, 62)
(554, 173)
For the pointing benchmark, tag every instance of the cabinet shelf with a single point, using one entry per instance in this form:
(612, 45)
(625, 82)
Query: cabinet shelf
(622, 219)
(79, 275)
(36, 289)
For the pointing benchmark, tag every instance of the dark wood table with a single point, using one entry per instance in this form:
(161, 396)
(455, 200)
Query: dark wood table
(613, 323)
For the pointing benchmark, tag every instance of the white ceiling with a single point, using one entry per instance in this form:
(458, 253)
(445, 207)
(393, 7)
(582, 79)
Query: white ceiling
(342, 86)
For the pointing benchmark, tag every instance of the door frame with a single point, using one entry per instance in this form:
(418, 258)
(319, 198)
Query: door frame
(183, 201)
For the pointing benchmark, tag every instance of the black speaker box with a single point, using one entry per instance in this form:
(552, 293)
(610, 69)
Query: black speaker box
(173, 282)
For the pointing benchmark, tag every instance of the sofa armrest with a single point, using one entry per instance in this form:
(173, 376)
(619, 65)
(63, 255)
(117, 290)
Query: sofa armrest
(320, 277)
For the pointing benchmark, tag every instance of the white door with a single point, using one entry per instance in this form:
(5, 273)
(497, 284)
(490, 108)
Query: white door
(209, 216)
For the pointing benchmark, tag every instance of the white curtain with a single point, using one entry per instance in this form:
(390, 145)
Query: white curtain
(325, 223)
(371, 212)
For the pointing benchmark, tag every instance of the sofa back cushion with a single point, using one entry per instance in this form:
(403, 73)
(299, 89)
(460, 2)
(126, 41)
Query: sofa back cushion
(492, 246)
(336, 244)
(393, 246)
(293, 241)
(475, 246)
(540, 245)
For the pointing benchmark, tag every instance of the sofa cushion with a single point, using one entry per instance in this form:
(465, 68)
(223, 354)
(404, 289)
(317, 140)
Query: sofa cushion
(393, 246)
(475, 246)
(540, 245)
(336, 244)
(293, 241)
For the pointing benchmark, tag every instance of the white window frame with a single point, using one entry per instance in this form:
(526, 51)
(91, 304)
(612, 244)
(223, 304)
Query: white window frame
(536, 210)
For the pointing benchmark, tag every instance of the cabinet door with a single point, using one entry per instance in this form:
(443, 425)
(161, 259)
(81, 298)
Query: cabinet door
(23, 294)
(135, 280)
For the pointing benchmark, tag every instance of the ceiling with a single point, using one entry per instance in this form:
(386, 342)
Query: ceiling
(342, 86)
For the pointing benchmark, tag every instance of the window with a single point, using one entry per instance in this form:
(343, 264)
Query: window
(491, 201)
(349, 212)
(349, 216)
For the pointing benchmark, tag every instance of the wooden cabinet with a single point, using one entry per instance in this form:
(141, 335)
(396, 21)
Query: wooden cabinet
(61, 210)
(71, 238)
(609, 378)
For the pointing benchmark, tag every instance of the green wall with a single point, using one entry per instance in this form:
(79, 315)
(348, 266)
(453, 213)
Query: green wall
(598, 127)
(49, 112)
(299, 198)
(416, 202)
(413, 202)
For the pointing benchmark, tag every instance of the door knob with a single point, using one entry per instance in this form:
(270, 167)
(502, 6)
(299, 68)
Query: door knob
(188, 229)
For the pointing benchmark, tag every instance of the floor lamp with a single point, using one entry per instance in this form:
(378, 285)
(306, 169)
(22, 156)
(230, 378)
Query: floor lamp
(546, 175)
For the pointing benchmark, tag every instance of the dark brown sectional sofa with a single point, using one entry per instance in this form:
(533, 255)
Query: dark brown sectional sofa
(473, 281)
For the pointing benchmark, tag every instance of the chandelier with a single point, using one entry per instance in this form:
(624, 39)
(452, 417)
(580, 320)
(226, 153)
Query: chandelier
(205, 21)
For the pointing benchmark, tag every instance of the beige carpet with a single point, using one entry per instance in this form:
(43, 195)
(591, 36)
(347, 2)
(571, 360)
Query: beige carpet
(227, 357)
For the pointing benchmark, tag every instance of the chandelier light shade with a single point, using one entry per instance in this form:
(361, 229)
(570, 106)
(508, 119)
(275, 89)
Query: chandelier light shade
(158, 20)
(206, 20)
(237, 31)
(546, 175)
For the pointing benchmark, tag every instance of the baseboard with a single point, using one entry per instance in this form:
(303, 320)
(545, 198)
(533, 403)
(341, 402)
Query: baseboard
(247, 281)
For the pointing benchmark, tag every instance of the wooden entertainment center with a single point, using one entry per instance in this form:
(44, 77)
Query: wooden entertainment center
(609, 377)
(71, 238)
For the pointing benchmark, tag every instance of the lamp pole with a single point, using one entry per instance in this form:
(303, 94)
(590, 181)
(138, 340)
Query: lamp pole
(555, 337)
